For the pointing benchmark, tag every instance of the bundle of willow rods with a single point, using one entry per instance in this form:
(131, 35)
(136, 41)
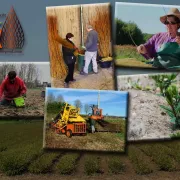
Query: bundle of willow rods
(58, 67)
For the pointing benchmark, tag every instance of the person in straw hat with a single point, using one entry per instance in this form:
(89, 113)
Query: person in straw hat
(172, 22)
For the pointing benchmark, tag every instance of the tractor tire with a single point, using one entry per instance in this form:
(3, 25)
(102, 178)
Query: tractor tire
(57, 131)
(69, 133)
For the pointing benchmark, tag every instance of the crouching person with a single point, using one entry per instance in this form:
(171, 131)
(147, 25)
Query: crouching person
(11, 87)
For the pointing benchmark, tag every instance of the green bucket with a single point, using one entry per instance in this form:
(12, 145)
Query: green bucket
(81, 63)
(19, 102)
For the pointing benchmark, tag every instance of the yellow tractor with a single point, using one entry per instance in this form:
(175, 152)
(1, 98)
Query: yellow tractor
(69, 122)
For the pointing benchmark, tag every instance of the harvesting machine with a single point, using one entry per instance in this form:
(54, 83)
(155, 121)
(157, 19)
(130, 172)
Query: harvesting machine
(69, 122)
(97, 113)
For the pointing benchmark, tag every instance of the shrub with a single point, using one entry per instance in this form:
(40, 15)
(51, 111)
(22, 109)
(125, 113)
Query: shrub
(115, 165)
(140, 162)
(15, 162)
(43, 163)
(92, 164)
(67, 163)
(161, 156)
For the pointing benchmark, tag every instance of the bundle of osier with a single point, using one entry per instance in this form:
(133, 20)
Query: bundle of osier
(65, 43)
(58, 67)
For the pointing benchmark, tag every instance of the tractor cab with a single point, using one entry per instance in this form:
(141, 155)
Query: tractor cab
(96, 113)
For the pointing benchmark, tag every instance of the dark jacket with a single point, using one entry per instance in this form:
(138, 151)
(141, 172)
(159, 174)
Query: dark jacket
(68, 54)
(92, 41)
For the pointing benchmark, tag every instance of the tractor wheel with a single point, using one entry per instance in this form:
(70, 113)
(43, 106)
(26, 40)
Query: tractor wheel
(69, 133)
(57, 131)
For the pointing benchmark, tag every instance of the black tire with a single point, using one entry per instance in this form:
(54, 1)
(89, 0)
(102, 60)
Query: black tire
(69, 133)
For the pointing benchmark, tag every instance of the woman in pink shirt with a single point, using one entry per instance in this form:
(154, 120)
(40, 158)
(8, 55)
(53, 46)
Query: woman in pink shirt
(11, 87)
(172, 22)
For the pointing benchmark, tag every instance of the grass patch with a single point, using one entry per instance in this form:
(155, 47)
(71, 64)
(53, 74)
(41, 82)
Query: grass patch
(127, 51)
(92, 164)
(43, 163)
(175, 135)
(140, 163)
(121, 136)
(67, 163)
(115, 165)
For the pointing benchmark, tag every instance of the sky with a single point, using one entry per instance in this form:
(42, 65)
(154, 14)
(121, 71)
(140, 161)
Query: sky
(145, 16)
(43, 68)
(112, 102)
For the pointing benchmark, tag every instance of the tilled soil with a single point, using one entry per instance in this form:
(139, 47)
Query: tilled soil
(103, 80)
(34, 107)
(147, 120)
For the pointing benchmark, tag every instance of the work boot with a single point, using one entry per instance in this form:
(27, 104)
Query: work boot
(73, 80)
(66, 85)
(83, 73)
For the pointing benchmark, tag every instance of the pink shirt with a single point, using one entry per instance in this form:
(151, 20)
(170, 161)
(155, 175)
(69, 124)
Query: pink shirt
(153, 44)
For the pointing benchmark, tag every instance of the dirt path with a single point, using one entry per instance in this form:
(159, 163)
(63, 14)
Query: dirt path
(103, 80)
(34, 106)
(125, 176)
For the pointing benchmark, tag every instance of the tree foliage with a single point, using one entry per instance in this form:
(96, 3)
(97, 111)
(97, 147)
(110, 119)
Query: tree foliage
(126, 33)
(78, 104)
(87, 108)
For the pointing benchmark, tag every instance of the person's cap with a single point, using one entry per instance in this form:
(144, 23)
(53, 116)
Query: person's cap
(173, 12)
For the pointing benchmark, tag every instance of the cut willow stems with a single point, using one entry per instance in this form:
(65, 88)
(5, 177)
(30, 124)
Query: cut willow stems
(82, 32)
(58, 68)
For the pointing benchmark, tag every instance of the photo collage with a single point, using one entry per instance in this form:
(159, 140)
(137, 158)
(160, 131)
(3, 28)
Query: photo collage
(87, 92)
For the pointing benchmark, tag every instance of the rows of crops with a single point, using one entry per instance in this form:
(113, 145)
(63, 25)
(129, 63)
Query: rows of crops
(21, 152)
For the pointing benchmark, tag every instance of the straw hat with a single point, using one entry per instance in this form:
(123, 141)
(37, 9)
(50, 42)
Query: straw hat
(173, 11)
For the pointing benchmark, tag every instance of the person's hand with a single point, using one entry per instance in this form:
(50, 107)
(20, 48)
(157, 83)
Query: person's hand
(83, 47)
(141, 49)
(24, 95)
(178, 39)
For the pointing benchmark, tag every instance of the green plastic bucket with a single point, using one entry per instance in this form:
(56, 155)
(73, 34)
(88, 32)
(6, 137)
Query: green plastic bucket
(19, 102)
(81, 63)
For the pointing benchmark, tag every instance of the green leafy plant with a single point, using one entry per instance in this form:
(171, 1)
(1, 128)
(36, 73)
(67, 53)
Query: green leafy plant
(116, 165)
(170, 92)
(92, 164)
(163, 81)
(173, 99)
(135, 84)
(67, 163)
(161, 155)
(43, 163)
(139, 161)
